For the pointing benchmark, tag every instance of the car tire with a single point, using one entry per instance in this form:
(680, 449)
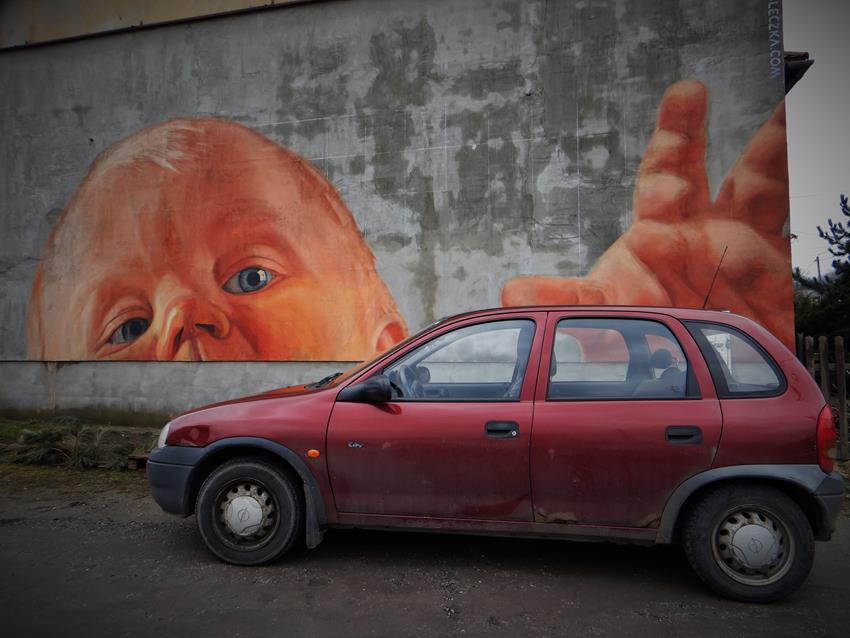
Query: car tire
(750, 543)
(249, 512)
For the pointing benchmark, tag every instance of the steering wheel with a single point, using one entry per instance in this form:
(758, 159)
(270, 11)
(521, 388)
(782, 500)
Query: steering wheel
(410, 383)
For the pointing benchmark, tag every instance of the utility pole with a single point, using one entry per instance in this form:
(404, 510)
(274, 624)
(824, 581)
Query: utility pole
(817, 260)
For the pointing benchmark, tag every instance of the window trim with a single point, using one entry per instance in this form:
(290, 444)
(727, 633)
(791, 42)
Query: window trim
(692, 389)
(534, 323)
(715, 369)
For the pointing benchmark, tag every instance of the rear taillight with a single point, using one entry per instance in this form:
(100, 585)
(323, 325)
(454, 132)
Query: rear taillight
(826, 440)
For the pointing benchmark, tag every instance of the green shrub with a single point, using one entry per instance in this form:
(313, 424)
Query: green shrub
(37, 447)
(72, 443)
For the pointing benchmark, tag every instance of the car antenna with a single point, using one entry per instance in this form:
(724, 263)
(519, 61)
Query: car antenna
(713, 279)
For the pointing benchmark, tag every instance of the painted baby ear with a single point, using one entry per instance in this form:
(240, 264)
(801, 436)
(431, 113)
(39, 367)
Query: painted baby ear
(391, 333)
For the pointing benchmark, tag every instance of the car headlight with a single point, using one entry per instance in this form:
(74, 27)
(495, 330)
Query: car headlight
(160, 442)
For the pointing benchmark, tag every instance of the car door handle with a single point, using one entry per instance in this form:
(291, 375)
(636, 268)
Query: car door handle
(684, 435)
(502, 429)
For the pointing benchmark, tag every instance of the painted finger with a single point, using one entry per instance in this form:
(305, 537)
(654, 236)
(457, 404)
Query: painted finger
(672, 183)
(756, 189)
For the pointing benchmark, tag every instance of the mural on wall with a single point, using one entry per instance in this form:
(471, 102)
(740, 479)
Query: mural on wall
(203, 240)
(269, 187)
(683, 249)
(200, 239)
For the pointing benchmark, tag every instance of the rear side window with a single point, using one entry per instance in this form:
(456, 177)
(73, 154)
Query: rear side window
(617, 359)
(739, 366)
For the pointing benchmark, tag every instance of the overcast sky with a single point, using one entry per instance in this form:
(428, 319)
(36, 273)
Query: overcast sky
(818, 111)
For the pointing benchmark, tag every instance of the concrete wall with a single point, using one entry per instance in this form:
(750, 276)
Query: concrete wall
(141, 393)
(473, 142)
(26, 22)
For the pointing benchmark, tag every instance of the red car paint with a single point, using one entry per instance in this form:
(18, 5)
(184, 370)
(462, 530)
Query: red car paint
(597, 468)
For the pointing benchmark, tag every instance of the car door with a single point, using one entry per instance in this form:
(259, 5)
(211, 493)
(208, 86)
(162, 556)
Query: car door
(454, 440)
(625, 412)
(752, 392)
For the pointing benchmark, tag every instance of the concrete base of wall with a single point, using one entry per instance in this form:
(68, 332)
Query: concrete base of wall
(130, 392)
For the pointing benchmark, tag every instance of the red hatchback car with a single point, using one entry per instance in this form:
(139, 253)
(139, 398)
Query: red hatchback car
(648, 425)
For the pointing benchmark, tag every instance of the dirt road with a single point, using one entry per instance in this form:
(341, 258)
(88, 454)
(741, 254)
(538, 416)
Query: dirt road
(102, 560)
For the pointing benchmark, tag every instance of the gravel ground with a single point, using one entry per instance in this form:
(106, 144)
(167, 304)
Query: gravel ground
(85, 554)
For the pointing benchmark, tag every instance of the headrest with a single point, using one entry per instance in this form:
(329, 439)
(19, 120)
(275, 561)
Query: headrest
(661, 359)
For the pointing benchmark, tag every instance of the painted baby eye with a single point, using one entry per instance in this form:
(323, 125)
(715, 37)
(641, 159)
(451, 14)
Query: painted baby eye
(248, 279)
(129, 331)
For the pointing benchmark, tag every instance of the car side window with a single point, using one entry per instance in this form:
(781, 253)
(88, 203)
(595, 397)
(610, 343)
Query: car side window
(481, 362)
(617, 359)
(738, 365)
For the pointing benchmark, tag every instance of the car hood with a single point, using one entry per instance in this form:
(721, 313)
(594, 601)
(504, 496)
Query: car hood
(278, 393)
(297, 409)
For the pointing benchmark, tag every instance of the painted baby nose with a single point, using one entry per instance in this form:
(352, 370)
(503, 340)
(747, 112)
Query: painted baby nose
(187, 321)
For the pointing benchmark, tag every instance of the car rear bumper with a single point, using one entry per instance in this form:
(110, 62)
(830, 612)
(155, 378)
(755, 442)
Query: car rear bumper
(830, 497)
(170, 471)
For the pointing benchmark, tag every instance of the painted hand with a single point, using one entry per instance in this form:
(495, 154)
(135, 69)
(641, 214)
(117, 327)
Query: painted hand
(670, 253)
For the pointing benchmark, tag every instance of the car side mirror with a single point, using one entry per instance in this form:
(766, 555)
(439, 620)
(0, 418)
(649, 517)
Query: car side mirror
(375, 389)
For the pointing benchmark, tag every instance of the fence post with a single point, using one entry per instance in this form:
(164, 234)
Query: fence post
(810, 356)
(841, 377)
(823, 364)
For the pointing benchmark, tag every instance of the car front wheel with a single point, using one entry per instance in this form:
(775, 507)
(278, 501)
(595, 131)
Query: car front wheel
(749, 543)
(248, 512)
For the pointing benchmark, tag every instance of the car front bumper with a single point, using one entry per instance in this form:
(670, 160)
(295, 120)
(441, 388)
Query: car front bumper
(170, 471)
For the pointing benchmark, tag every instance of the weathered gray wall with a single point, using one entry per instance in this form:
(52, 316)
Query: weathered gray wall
(472, 141)
(140, 391)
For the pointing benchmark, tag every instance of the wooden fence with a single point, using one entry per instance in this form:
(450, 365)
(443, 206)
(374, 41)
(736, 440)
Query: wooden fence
(829, 368)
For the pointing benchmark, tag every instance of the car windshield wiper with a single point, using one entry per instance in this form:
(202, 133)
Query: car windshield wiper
(326, 380)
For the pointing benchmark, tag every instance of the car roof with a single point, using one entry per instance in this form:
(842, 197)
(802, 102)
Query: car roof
(723, 316)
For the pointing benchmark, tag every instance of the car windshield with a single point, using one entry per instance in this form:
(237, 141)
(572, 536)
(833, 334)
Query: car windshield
(365, 364)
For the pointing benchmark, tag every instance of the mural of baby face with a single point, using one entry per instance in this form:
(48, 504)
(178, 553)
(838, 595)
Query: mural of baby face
(200, 239)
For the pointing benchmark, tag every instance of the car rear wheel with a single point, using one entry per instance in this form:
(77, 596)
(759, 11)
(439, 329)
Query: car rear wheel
(749, 543)
(249, 512)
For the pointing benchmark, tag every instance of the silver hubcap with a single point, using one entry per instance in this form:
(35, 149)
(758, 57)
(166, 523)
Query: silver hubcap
(752, 546)
(247, 513)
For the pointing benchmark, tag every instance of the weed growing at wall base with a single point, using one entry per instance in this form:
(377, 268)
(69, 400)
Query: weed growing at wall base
(69, 442)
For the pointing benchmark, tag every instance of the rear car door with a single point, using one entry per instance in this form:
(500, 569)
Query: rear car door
(758, 426)
(625, 412)
(454, 441)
